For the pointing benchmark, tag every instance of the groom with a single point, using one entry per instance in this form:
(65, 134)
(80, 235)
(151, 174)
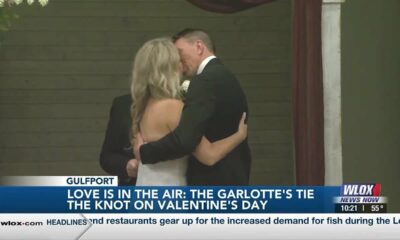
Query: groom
(213, 107)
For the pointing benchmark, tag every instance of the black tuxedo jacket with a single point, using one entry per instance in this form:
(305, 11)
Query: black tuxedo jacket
(117, 149)
(214, 105)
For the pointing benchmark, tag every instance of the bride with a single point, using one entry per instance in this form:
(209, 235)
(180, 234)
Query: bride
(156, 111)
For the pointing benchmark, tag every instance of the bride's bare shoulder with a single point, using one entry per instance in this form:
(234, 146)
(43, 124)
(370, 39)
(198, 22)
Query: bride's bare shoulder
(168, 104)
(169, 111)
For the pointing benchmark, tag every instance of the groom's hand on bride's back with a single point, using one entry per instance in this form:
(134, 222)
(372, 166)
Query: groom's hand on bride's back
(137, 143)
(242, 128)
(132, 168)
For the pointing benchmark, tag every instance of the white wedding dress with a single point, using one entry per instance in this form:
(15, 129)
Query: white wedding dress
(167, 173)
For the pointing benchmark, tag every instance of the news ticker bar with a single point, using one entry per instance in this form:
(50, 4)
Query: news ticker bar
(200, 226)
(52, 181)
(167, 199)
(99, 194)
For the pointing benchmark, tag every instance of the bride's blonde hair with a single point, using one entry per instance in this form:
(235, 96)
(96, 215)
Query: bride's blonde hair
(156, 74)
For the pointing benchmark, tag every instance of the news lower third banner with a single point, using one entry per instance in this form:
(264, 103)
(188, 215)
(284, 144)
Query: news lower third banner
(94, 207)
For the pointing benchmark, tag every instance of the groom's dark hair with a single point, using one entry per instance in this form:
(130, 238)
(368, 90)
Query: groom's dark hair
(195, 34)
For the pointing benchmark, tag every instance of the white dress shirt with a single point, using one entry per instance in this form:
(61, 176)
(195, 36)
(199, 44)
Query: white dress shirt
(204, 63)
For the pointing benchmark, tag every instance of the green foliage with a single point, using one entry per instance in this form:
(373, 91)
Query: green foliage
(6, 17)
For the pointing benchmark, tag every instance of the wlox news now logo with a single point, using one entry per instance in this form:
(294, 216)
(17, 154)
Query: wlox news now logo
(360, 193)
(361, 189)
